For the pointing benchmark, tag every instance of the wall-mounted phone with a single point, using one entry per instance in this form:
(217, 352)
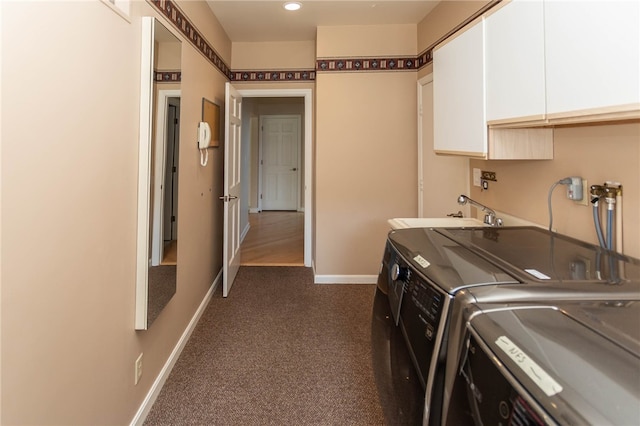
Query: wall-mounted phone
(204, 140)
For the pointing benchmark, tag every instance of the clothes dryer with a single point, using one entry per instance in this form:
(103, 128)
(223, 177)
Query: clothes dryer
(531, 364)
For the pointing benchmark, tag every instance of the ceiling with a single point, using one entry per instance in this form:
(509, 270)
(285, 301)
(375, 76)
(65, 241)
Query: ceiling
(266, 20)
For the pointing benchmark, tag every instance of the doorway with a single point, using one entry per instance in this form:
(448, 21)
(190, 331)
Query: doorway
(269, 224)
(164, 187)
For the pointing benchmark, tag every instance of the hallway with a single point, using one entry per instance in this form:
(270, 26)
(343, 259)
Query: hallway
(275, 238)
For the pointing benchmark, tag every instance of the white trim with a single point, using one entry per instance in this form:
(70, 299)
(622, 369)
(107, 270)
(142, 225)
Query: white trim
(308, 154)
(144, 165)
(345, 279)
(254, 210)
(244, 232)
(421, 83)
(121, 7)
(153, 393)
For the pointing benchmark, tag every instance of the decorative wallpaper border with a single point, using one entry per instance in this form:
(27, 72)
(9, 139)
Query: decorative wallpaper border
(274, 75)
(170, 10)
(181, 22)
(167, 76)
(367, 64)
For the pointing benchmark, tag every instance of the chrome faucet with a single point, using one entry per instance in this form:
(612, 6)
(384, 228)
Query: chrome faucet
(490, 218)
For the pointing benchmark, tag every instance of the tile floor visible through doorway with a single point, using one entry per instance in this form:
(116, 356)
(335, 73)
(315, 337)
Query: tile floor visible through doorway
(275, 238)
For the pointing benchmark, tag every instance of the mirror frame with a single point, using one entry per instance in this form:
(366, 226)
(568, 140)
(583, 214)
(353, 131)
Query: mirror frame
(144, 167)
(146, 303)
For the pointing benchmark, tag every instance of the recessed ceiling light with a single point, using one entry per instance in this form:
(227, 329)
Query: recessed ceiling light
(292, 5)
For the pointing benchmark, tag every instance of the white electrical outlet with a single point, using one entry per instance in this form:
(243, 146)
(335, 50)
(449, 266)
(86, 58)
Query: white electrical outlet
(477, 177)
(138, 369)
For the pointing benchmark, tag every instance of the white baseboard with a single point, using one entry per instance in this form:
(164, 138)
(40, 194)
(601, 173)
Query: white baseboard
(254, 210)
(153, 393)
(345, 279)
(244, 232)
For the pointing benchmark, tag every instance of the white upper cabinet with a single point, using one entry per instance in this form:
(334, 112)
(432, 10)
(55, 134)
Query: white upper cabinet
(514, 40)
(592, 55)
(460, 106)
(459, 95)
(534, 64)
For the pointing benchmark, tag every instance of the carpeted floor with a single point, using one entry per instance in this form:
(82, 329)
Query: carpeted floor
(279, 350)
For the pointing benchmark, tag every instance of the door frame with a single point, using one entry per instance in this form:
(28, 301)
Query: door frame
(157, 240)
(307, 94)
(261, 152)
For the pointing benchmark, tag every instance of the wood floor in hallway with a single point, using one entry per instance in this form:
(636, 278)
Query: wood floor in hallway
(275, 238)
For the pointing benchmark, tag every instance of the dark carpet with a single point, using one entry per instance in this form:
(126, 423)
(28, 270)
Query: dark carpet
(279, 350)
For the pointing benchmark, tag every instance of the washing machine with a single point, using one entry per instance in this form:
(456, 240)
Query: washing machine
(424, 269)
(574, 363)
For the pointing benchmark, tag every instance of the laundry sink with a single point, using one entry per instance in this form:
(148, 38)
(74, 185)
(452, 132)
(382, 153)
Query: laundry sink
(434, 222)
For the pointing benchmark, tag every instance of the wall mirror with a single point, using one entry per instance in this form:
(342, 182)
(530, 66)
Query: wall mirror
(158, 171)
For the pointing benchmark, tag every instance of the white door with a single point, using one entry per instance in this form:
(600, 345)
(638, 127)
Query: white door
(231, 197)
(280, 162)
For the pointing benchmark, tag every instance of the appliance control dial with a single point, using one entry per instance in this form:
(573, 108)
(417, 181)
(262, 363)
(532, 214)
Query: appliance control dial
(399, 272)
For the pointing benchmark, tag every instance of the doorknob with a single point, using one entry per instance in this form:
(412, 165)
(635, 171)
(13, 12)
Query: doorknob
(294, 169)
(226, 198)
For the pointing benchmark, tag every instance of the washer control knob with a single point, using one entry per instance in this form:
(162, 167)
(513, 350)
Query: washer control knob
(399, 273)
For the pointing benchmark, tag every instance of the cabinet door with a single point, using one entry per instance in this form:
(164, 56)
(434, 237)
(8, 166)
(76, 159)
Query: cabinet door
(515, 62)
(593, 54)
(459, 95)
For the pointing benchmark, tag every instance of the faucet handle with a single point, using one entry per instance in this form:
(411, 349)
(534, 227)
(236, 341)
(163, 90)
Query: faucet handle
(491, 220)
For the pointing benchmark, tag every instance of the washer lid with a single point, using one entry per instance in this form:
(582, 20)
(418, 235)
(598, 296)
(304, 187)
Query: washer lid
(443, 261)
(539, 255)
(580, 361)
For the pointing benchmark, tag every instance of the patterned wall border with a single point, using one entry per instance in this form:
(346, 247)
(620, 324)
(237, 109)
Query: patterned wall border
(164, 76)
(273, 75)
(366, 64)
(170, 10)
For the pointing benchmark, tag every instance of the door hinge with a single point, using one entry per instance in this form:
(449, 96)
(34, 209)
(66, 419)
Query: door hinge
(173, 218)
(175, 121)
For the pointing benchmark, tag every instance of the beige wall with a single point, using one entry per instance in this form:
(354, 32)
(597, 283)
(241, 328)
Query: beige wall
(596, 153)
(273, 55)
(443, 18)
(167, 56)
(366, 40)
(365, 153)
(69, 183)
